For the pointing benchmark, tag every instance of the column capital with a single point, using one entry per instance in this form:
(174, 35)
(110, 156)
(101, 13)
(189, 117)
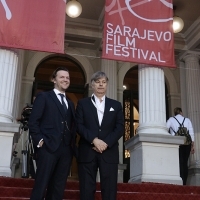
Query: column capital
(148, 66)
(28, 80)
(16, 51)
(108, 62)
(191, 57)
(174, 95)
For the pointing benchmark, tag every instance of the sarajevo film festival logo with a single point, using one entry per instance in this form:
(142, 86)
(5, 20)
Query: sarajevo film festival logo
(7, 10)
(131, 7)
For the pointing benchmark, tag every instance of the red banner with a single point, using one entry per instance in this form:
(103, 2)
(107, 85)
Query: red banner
(33, 24)
(139, 31)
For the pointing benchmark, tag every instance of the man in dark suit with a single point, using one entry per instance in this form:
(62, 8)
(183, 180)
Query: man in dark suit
(100, 124)
(52, 128)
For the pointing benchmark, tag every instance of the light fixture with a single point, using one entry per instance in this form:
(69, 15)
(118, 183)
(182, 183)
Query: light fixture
(124, 87)
(73, 8)
(178, 23)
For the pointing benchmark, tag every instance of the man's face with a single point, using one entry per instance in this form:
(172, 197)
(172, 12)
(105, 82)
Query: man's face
(61, 81)
(99, 87)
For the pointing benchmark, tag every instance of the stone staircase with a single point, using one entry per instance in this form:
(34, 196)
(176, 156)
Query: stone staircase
(20, 189)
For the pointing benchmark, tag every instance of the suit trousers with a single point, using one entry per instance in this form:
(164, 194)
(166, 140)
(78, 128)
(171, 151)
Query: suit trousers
(108, 178)
(184, 153)
(52, 172)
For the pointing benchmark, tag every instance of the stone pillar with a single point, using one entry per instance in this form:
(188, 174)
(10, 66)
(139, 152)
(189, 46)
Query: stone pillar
(26, 90)
(120, 91)
(8, 71)
(110, 68)
(193, 109)
(152, 109)
(152, 148)
(18, 93)
(183, 88)
(174, 101)
(120, 95)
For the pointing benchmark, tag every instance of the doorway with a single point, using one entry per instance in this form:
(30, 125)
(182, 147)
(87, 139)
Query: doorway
(131, 112)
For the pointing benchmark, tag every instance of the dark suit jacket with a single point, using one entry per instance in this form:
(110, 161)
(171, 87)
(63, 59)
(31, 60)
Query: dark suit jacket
(47, 120)
(110, 130)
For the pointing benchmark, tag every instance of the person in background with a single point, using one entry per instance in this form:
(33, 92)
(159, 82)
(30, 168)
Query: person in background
(52, 128)
(184, 150)
(100, 124)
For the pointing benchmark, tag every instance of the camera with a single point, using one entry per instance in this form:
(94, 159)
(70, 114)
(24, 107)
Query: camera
(25, 116)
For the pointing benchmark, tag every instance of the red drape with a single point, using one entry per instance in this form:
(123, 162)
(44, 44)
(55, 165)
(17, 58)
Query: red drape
(33, 24)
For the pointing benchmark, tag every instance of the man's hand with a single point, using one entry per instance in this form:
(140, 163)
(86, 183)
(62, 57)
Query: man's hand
(100, 145)
(95, 149)
(41, 143)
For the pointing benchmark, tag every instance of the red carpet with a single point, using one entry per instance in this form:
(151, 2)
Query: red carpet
(20, 189)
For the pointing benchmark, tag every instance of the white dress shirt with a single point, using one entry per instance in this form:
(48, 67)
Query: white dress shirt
(57, 92)
(173, 124)
(100, 106)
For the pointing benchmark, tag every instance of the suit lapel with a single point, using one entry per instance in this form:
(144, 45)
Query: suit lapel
(94, 110)
(57, 102)
(106, 110)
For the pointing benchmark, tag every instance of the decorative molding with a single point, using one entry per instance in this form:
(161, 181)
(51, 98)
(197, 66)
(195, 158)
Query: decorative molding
(187, 53)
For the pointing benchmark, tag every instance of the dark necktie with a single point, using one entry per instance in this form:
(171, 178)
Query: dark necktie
(63, 103)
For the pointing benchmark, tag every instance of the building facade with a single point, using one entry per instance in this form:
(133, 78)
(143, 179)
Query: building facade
(24, 73)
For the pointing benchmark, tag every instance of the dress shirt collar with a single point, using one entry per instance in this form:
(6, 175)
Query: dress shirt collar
(97, 99)
(57, 92)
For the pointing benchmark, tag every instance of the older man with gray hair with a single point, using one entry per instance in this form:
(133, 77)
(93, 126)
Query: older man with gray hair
(100, 124)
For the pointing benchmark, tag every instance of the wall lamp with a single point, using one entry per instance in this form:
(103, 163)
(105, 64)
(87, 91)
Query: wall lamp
(73, 8)
(178, 23)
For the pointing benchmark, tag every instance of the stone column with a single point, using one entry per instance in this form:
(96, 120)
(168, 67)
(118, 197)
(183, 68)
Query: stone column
(152, 100)
(8, 71)
(26, 90)
(193, 109)
(174, 101)
(110, 68)
(18, 93)
(183, 88)
(152, 148)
